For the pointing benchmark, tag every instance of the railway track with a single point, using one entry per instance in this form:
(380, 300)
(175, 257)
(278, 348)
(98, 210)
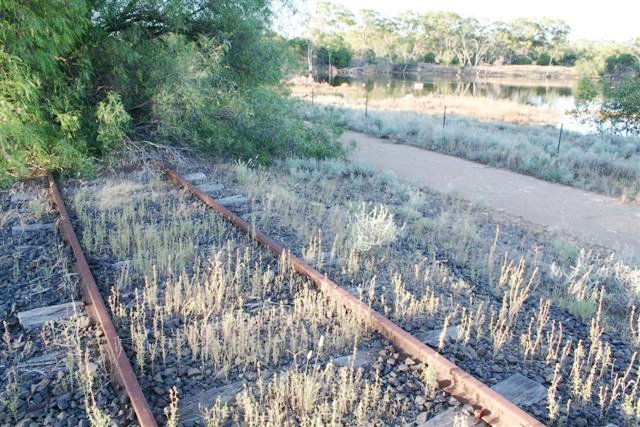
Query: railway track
(487, 404)
(52, 369)
(205, 319)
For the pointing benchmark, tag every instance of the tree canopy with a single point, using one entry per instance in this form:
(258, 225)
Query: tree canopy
(619, 85)
(444, 37)
(79, 76)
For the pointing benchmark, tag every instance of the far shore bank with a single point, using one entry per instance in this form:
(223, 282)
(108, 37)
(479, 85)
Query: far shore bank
(428, 71)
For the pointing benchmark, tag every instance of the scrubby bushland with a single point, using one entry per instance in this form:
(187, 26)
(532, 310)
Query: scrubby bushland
(78, 77)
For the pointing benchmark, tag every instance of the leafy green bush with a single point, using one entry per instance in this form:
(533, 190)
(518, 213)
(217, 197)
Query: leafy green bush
(38, 120)
(623, 63)
(620, 111)
(619, 108)
(587, 90)
(113, 121)
(78, 77)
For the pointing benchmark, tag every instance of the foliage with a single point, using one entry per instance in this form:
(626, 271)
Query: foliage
(442, 37)
(38, 121)
(112, 120)
(594, 56)
(619, 109)
(586, 90)
(78, 77)
(451, 39)
(336, 55)
(623, 63)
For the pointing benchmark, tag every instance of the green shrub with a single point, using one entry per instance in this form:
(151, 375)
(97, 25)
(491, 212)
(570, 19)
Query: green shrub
(566, 251)
(78, 77)
(587, 90)
(113, 121)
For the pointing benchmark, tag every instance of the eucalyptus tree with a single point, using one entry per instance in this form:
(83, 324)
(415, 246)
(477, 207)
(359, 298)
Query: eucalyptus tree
(440, 34)
(474, 41)
(326, 34)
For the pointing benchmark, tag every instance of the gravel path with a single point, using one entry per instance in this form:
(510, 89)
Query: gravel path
(589, 217)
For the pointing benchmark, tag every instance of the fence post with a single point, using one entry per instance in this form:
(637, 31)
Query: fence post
(559, 139)
(444, 117)
(366, 106)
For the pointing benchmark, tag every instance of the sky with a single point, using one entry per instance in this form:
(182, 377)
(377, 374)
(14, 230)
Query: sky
(617, 20)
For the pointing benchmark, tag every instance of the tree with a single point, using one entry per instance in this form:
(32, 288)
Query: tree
(77, 75)
(439, 34)
(39, 114)
(622, 64)
(555, 38)
(380, 34)
(411, 44)
(475, 38)
(333, 51)
(328, 24)
(619, 109)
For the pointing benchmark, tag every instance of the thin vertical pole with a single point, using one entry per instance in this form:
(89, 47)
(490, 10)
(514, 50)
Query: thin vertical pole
(311, 96)
(366, 106)
(444, 117)
(559, 139)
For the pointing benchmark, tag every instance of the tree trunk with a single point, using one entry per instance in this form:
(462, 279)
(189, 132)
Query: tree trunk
(310, 58)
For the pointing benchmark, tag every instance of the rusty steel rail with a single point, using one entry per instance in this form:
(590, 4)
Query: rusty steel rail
(119, 363)
(488, 405)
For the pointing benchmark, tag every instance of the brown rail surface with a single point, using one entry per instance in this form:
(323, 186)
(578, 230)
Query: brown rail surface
(490, 406)
(119, 363)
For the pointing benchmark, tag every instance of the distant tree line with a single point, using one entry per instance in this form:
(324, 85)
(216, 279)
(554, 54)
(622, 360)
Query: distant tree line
(336, 35)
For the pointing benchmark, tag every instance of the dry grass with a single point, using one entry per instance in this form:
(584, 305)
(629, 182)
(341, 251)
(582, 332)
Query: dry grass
(408, 281)
(484, 109)
(66, 352)
(221, 302)
(207, 291)
(496, 133)
(315, 396)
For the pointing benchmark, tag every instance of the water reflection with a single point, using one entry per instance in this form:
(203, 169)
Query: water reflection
(544, 95)
(549, 94)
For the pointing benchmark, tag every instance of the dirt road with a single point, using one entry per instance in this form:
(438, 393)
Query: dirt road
(589, 217)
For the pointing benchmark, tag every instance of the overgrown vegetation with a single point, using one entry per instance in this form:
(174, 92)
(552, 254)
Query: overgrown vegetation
(59, 362)
(495, 289)
(202, 306)
(78, 78)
